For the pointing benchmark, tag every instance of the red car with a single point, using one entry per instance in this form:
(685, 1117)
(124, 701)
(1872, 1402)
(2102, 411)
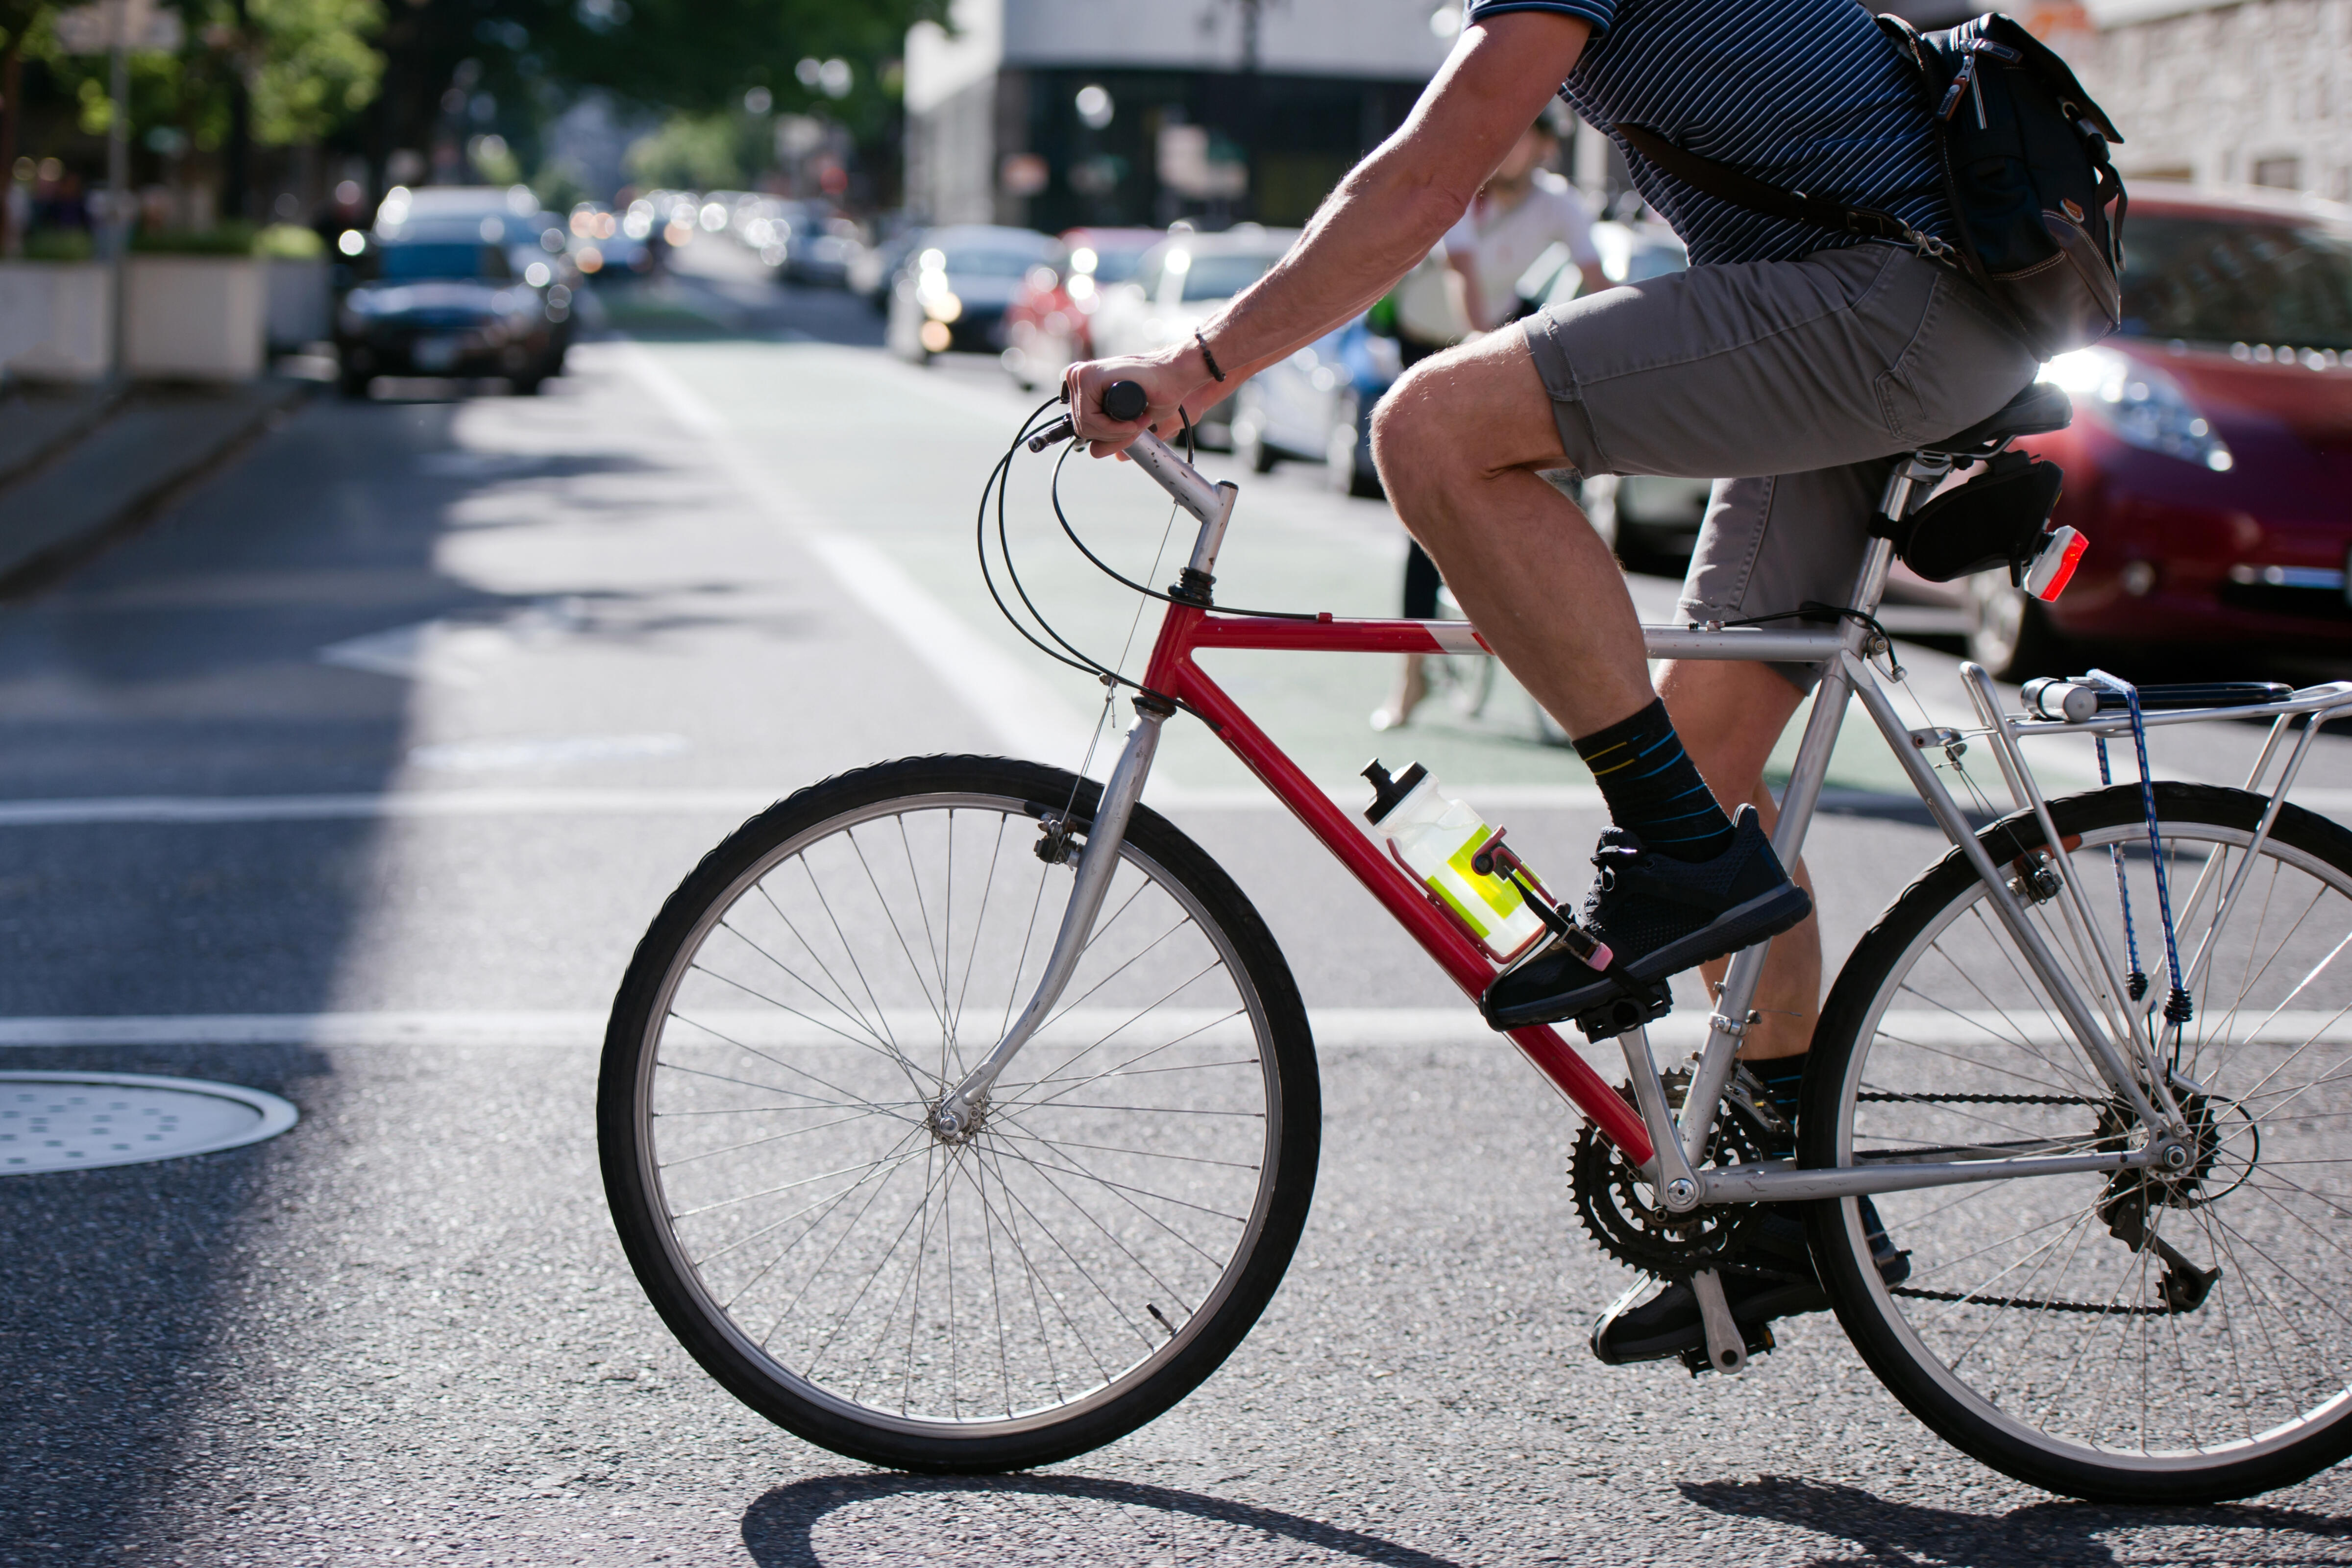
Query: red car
(2210, 463)
(1045, 325)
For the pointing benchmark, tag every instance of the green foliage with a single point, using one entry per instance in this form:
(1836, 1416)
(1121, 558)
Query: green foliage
(289, 242)
(316, 67)
(58, 245)
(701, 152)
(227, 239)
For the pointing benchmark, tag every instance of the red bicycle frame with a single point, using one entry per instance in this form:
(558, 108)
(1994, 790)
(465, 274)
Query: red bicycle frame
(1173, 673)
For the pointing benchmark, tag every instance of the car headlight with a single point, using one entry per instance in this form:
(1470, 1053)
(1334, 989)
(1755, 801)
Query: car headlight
(2141, 405)
(943, 306)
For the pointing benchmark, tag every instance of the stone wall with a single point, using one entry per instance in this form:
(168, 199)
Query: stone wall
(2257, 93)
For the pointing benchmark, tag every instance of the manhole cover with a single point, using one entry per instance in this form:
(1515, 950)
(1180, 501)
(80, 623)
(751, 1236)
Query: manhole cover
(74, 1120)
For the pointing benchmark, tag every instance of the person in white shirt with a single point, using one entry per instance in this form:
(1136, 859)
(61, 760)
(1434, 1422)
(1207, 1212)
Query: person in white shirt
(1522, 212)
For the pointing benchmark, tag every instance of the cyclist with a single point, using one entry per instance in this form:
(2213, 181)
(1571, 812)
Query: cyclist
(1796, 360)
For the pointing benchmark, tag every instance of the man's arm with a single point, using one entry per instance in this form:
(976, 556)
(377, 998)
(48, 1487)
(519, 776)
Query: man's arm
(1372, 231)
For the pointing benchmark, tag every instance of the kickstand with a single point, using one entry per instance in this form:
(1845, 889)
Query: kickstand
(1726, 1347)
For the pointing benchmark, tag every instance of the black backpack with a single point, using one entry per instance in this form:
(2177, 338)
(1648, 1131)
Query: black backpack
(2026, 173)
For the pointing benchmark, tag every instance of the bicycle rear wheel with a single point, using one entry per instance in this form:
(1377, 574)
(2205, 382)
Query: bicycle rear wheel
(1096, 1248)
(2042, 1326)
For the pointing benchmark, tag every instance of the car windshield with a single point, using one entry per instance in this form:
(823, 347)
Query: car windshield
(989, 263)
(403, 262)
(2237, 280)
(1222, 277)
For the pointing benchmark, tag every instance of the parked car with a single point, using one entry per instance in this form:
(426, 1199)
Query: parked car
(604, 241)
(2210, 463)
(875, 266)
(444, 298)
(1179, 283)
(953, 291)
(1045, 327)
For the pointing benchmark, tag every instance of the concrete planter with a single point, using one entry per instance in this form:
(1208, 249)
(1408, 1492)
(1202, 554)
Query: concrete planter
(301, 302)
(198, 317)
(54, 320)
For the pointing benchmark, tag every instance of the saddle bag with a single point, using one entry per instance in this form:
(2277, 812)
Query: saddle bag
(2000, 518)
(2038, 206)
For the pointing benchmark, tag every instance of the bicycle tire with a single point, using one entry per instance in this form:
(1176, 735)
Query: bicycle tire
(1960, 1338)
(649, 1153)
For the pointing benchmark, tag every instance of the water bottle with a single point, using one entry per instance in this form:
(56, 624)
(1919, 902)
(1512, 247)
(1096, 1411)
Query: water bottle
(1435, 837)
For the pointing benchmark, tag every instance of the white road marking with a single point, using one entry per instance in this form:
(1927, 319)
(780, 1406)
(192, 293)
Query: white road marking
(1334, 1028)
(1028, 716)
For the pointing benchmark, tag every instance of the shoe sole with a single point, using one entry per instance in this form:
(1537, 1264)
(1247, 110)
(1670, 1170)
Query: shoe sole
(1742, 925)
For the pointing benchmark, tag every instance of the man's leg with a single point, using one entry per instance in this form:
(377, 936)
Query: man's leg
(1460, 443)
(1730, 716)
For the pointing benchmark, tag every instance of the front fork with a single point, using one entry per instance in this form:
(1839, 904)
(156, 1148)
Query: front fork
(960, 1111)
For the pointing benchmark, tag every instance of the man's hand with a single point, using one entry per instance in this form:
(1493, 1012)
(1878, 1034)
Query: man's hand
(1178, 379)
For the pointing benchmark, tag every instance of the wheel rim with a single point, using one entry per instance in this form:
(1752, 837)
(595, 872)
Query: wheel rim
(1076, 1243)
(2063, 1338)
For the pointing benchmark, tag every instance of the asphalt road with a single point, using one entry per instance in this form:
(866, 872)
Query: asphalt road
(482, 679)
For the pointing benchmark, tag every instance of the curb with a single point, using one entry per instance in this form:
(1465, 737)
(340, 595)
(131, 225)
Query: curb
(122, 472)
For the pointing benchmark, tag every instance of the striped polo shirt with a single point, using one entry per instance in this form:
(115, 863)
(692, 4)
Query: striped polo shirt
(1808, 95)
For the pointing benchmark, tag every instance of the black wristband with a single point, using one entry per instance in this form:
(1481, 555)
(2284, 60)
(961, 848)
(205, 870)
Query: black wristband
(1207, 358)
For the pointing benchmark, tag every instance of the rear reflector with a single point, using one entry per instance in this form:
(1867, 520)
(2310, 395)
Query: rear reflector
(2053, 568)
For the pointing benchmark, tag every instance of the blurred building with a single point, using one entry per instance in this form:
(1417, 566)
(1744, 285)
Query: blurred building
(2246, 92)
(1051, 113)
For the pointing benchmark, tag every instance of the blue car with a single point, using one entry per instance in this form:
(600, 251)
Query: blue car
(1316, 407)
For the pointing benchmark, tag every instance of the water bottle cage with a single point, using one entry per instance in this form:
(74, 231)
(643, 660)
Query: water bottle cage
(1496, 858)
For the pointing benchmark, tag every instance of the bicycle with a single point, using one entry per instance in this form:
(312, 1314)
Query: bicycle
(961, 1114)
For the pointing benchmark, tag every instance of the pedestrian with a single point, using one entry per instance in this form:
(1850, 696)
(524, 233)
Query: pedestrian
(1523, 211)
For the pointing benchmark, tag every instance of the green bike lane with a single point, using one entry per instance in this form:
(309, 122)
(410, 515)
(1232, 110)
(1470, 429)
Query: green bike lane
(850, 444)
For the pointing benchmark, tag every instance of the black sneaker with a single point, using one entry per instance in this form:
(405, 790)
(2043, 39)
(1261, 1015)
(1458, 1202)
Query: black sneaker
(1657, 916)
(1783, 1285)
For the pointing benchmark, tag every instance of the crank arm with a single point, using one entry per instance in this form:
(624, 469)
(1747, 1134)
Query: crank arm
(959, 1110)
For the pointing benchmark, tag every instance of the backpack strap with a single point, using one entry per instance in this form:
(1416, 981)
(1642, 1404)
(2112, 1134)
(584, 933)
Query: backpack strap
(1726, 183)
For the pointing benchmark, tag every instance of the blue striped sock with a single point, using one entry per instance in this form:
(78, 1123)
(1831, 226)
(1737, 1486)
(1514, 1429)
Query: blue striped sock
(1652, 787)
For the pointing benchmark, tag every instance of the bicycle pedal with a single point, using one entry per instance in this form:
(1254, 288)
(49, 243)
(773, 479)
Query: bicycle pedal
(1760, 1341)
(1626, 1012)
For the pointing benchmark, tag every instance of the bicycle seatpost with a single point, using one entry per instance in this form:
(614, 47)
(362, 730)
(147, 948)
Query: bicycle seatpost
(1124, 401)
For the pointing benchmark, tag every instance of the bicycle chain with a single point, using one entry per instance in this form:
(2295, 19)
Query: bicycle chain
(1640, 1232)
(1979, 1099)
(2091, 1307)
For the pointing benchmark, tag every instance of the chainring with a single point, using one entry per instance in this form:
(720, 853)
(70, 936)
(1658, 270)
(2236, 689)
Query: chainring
(1633, 1225)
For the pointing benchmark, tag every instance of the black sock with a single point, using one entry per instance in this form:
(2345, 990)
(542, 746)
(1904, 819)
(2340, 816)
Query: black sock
(1781, 1077)
(1652, 789)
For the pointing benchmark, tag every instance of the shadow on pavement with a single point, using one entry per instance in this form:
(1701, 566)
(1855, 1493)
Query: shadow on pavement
(190, 659)
(779, 1530)
(2053, 1534)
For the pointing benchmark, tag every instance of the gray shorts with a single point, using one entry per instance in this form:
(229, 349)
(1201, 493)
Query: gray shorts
(1792, 384)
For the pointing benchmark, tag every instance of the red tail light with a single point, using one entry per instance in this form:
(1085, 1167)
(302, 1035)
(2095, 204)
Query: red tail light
(2053, 568)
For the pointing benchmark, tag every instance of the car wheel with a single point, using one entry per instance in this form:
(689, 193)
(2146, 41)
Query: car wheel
(2009, 631)
(353, 384)
(1249, 435)
(527, 386)
(1341, 471)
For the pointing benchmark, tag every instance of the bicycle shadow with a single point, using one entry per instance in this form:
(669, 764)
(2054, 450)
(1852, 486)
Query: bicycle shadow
(2050, 1534)
(778, 1529)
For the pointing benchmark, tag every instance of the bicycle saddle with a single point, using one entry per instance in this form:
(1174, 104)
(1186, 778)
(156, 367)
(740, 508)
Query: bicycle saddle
(2040, 408)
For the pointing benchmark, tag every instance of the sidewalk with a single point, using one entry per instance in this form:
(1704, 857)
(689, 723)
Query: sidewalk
(80, 467)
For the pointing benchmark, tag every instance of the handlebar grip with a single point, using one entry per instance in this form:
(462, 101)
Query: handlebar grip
(1125, 401)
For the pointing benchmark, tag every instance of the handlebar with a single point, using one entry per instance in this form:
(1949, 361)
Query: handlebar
(1125, 401)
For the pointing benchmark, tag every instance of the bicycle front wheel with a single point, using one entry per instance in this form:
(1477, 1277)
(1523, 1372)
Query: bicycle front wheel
(2121, 1338)
(1048, 1283)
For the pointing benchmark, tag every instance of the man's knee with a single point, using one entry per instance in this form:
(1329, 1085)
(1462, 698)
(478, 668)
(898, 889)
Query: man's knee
(1409, 438)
